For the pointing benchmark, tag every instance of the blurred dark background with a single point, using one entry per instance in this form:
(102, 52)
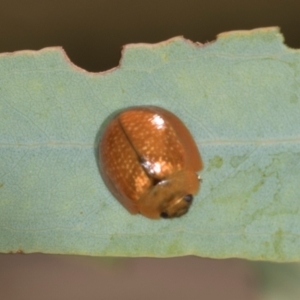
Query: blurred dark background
(92, 33)
(48, 277)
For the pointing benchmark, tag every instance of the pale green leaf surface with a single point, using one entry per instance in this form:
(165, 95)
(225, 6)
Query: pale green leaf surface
(240, 97)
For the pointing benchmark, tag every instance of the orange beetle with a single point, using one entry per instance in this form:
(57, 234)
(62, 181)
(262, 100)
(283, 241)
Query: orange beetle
(148, 159)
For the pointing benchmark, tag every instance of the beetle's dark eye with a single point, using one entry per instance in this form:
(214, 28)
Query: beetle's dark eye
(188, 198)
(164, 215)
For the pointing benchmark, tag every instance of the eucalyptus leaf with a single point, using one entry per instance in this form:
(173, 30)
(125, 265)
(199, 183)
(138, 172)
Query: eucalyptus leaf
(239, 96)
